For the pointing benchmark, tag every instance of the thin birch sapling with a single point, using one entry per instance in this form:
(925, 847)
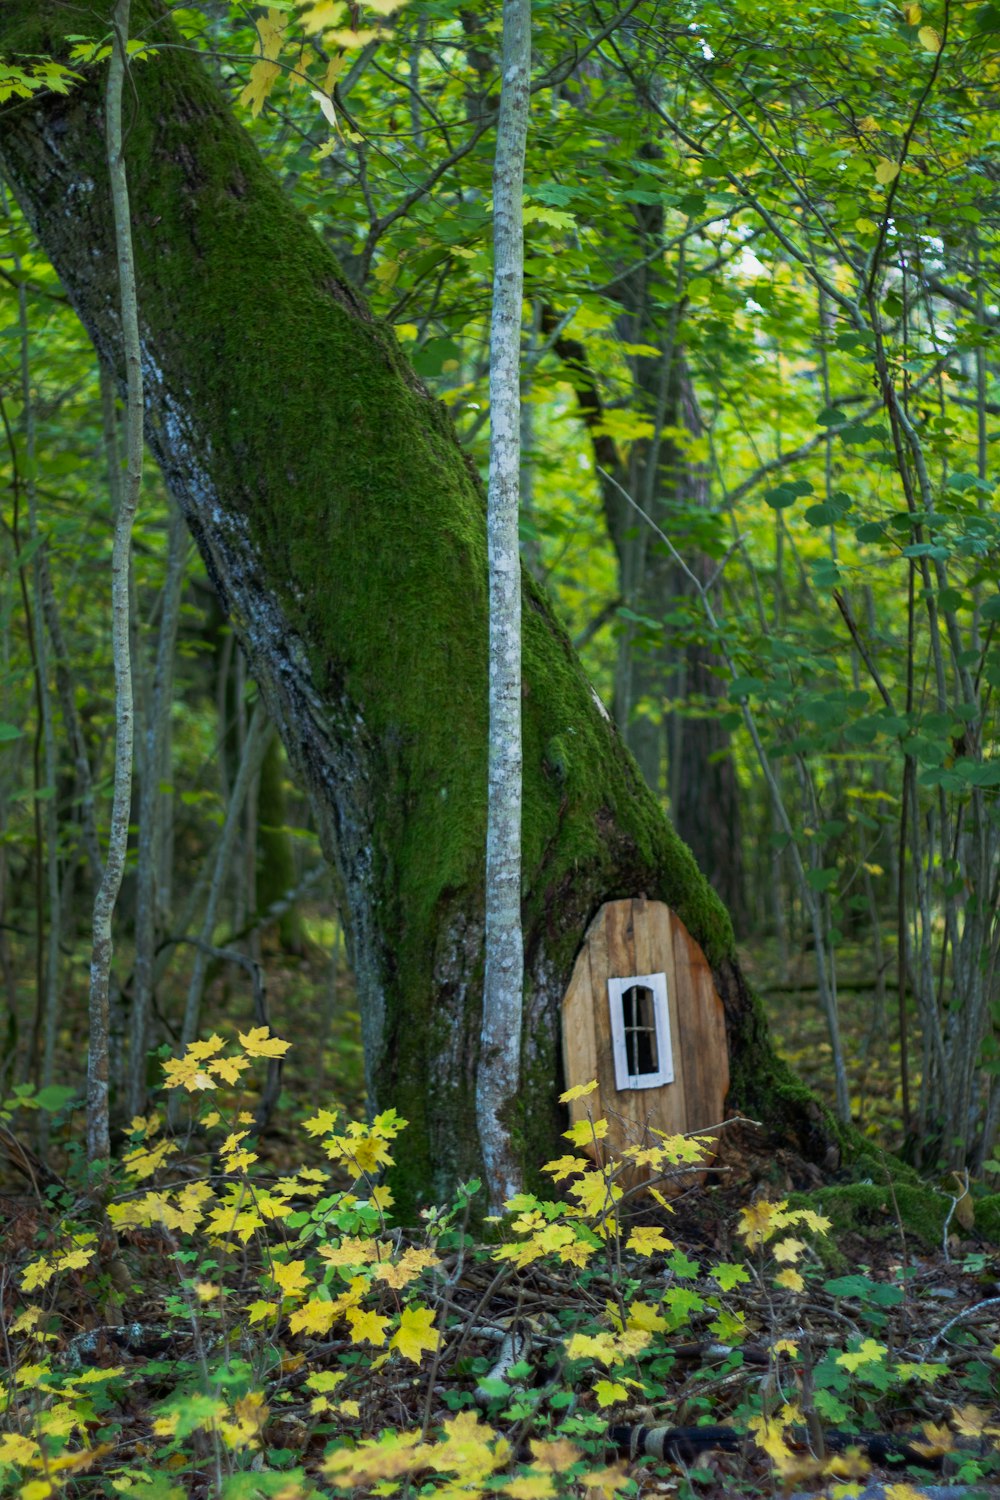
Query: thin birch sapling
(98, 1135)
(498, 1074)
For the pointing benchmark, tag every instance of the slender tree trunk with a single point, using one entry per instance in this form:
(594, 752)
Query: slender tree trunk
(98, 1145)
(499, 1068)
(353, 567)
(151, 811)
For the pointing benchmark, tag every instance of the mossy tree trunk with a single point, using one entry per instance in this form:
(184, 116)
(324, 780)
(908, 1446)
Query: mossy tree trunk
(344, 531)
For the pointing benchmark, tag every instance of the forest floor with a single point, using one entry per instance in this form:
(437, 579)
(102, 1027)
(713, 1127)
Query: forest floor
(736, 1343)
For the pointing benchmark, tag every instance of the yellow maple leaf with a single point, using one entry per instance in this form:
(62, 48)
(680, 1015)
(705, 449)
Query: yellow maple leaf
(229, 1068)
(599, 1346)
(322, 1123)
(647, 1239)
(410, 1264)
(769, 1435)
(366, 1325)
(205, 1049)
(259, 1042)
(145, 1160)
(870, 1353)
(530, 1486)
(585, 1131)
(973, 1421)
(313, 1317)
(565, 1166)
(760, 1221)
(789, 1249)
(937, 1440)
(388, 1457)
(790, 1279)
(416, 1333)
(604, 1483)
(257, 1311)
(291, 1277)
(40, 1272)
(185, 1072)
(578, 1091)
(353, 1251)
(559, 1454)
(17, 1449)
(608, 1392)
(271, 30)
(326, 1380)
(644, 1315)
(239, 1161)
(323, 13)
(818, 1223)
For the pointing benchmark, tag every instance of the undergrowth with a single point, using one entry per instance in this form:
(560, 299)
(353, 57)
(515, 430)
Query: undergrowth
(195, 1322)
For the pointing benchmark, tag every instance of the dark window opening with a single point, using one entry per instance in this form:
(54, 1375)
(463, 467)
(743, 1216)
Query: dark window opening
(639, 1017)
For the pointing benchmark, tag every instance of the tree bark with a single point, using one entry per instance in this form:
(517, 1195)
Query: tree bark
(498, 1072)
(345, 533)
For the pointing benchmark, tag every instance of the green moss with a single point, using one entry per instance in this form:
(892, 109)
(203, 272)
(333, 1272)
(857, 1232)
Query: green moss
(987, 1221)
(876, 1210)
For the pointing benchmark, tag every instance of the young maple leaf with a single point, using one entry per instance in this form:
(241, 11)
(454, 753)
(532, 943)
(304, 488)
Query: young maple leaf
(322, 1122)
(186, 1072)
(313, 1317)
(291, 1277)
(390, 1456)
(410, 1264)
(366, 1325)
(565, 1166)
(259, 1042)
(416, 1333)
(16, 1449)
(585, 1131)
(579, 1091)
(604, 1483)
(974, 1422)
(789, 1249)
(558, 1454)
(531, 1486)
(229, 1068)
(353, 1251)
(869, 1353)
(644, 1315)
(609, 1391)
(205, 1049)
(647, 1239)
(599, 1346)
(790, 1279)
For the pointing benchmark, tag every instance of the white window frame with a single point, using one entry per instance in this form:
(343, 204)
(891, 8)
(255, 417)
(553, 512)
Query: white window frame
(624, 1080)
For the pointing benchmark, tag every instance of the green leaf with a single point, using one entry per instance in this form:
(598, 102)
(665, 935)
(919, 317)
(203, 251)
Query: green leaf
(822, 880)
(55, 1097)
(10, 732)
(784, 495)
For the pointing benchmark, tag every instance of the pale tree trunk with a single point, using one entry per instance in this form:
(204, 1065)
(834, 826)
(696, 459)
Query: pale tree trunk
(98, 1142)
(354, 570)
(499, 1067)
(152, 808)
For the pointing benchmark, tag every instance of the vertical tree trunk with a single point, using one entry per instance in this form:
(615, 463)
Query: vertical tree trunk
(499, 1067)
(98, 1144)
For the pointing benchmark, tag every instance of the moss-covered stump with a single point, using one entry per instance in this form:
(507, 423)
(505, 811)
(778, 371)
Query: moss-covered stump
(344, 531)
